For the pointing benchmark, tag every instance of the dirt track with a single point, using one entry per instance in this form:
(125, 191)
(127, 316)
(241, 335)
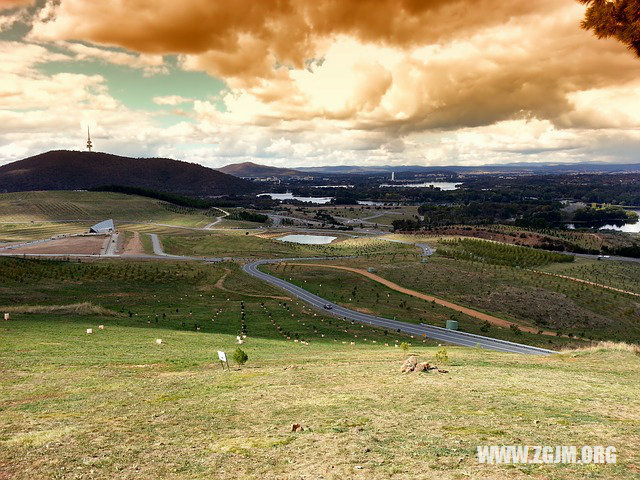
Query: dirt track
(134, 246)
(458, 308)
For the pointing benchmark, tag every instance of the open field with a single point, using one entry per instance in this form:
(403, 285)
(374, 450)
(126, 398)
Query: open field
(20, 232)
(115, 404)
(239, 243)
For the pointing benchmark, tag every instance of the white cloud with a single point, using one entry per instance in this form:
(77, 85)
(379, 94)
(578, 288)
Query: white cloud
(171, 100)
(151, 64)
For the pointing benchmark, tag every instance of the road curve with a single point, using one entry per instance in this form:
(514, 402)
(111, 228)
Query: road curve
(435, 333)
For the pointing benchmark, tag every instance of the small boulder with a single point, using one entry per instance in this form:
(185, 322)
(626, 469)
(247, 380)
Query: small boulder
(409, 364)
(296, 427)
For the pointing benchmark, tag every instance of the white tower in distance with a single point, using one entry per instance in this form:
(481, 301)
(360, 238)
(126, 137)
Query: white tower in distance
(89, 144)
(393, 176)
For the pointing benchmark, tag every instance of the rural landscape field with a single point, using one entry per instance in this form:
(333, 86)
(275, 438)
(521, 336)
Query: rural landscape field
(318, 240)
(145, 396)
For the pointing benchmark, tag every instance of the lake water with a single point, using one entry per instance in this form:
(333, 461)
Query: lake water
(440, 185)
(627, 227)
(291, 196)
(308, 239)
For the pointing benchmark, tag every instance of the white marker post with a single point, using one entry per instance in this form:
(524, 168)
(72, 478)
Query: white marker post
(6, 316)
(223, 359)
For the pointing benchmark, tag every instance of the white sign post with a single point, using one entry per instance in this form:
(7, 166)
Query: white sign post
(223, 359)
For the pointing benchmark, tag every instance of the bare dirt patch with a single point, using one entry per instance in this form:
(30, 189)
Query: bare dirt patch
(89, 245)
(133, 246)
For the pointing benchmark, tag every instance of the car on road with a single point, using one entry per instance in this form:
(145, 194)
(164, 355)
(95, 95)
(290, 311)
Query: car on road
(328, 306)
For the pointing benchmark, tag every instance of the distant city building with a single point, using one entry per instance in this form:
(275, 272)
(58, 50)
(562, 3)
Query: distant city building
(393, 176)
(105, 226)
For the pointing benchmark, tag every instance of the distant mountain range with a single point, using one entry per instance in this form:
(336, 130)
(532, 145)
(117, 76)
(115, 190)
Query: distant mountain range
(250, 169)
(534, 168)
(71, 170)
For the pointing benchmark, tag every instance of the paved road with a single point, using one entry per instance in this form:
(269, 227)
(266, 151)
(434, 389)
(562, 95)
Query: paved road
(110, 251)
(157, 245)
(436, 333)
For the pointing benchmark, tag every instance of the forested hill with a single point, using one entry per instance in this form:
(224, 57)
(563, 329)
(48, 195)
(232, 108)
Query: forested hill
(72, 170)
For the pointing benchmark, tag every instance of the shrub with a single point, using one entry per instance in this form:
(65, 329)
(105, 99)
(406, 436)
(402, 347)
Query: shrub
(515, 329)
(442, 356)
(404, 346)
(240, 356)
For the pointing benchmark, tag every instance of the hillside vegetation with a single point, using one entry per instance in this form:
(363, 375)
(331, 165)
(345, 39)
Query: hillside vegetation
(70, 170)
(116, 404)
(499, 253)
(70, 206)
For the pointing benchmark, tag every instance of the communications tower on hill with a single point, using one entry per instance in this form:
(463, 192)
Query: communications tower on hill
(89, 144)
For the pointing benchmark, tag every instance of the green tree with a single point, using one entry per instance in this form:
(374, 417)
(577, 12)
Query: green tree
(240, 356)
(619, 19)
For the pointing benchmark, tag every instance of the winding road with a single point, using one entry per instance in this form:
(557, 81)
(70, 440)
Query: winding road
(437, 333)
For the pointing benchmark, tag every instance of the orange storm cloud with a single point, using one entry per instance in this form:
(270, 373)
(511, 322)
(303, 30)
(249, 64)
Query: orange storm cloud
(395, 65)
(6, 4)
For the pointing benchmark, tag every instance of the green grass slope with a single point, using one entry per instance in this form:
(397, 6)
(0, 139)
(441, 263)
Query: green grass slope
(115, 404)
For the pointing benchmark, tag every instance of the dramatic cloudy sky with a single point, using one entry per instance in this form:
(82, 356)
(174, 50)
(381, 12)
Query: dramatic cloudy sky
(316, 82)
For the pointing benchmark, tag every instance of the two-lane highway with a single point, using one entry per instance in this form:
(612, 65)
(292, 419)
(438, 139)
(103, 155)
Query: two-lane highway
(430, 331)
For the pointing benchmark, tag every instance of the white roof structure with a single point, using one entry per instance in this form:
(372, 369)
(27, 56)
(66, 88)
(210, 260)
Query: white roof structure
(105, 226)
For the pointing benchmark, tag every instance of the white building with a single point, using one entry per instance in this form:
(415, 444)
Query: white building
(105, 226)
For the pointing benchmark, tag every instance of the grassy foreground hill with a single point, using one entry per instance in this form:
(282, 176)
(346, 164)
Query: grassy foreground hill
(115, 404)
(72, 170)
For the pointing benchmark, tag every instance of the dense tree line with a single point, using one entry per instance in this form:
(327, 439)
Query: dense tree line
(186, 201)
(247, 216)
(602, 216)
(484, 213)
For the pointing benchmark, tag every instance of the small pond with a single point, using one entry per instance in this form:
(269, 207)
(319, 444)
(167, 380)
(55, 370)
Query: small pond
(308, 239)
